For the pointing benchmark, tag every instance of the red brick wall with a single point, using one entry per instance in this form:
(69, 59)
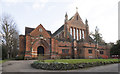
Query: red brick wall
(21, 44)
(57, 46)
(37, 38)
(94, 53)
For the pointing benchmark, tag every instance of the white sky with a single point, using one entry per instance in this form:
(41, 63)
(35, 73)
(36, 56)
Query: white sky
(51, 14)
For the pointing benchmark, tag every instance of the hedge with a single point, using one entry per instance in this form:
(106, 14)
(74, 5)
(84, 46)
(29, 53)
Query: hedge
(68, 66)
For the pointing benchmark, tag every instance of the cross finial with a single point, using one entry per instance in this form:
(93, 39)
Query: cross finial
(76, 9)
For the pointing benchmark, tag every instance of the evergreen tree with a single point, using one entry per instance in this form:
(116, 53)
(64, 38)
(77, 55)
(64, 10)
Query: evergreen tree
(115, 50)
(98, 37)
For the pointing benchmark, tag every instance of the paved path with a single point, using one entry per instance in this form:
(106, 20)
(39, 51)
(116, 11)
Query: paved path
(0, 68)
(24, 66)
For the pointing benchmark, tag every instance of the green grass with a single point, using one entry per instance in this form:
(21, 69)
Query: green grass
(2, 61)
(73, 61)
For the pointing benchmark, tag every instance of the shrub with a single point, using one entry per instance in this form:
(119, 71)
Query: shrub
(19, 58)
(55, 65)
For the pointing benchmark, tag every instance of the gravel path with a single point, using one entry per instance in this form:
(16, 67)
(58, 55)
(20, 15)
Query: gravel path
(24, 66)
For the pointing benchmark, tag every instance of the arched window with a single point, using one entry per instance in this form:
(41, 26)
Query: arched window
(83, 34)
(71, 31)
(77, 34)
(80, 34)
(74, 33)
(59, 36)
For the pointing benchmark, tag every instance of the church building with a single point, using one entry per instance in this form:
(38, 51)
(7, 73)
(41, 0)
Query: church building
(71, 40)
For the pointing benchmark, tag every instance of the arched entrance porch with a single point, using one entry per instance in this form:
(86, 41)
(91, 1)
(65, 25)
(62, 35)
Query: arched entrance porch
(40, 50)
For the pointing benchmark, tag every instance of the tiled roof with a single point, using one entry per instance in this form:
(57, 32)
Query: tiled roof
(49, 32)
(59, 30)
(91, 40)
(71, 17)
(29, 30)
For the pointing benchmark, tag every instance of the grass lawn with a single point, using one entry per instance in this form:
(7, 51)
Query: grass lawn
(2, 61)
(73, 61)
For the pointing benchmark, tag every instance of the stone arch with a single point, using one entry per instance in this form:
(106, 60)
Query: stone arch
(43, 43)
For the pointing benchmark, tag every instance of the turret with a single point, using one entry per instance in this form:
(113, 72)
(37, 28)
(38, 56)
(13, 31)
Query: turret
(66, 18)
(86, 22)
(87, 29)
(65, 26)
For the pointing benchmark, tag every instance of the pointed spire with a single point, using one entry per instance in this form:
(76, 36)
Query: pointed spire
(76, 9)
(86, 22)
(66, 14)
(87, 29)
(66, 17)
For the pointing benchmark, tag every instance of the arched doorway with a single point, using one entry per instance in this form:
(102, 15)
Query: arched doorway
(40, 50)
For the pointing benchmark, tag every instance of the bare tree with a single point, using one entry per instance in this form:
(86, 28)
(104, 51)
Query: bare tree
(9, 34)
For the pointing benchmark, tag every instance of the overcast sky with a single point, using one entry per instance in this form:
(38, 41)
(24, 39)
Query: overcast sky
(51, 14)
